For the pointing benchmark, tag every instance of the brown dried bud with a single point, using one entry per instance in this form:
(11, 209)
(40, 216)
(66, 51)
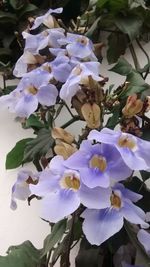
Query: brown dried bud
(98, 50)
(64, 150)
(147, 103)
(59, 133)
(133, 106)
(91, 114)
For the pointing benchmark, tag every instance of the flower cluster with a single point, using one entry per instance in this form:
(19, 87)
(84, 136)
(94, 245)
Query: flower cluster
(53, 63)
(89, 173)
(93, 176)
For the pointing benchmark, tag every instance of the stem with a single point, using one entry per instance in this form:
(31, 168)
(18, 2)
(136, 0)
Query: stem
(69, 110)
(65, 259)
(147, 56)
(75, 118)
(134, 56)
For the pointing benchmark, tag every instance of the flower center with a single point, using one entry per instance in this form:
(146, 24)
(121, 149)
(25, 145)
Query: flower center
(32, 90)
(98, 162)
(115, 201)
(70, 182)
(126, 142)
(31, 181)
(77, 71)
(82, 40)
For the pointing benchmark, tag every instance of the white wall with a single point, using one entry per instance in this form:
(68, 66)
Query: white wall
(24, 223)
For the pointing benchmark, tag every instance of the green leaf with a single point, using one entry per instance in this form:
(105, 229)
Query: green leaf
(33, 121)
(139, 187)
(117, 44)
(55, 236)
(132, 234)
(27, 9)
(114, 119)
(122, 67)
(145, 175)
(38, 146)
(60, 249)
(116, 6)
(130, 25)
(17, 4)
(135, 89)
(93, 28)
(89, 256)
(24, 255)
(15, 156)
(7, 17)
(101, 3)
(135, 78)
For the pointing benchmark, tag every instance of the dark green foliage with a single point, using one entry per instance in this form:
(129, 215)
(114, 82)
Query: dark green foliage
(15, 156)
(24, 255)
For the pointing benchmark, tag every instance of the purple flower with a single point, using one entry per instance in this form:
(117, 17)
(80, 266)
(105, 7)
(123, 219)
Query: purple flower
(24, 62)
(79, 75)
(62, 192)
(47, 19)
(144, 238)
(59, 68)
(34, 88)
(35, 43)
(79, 46)
(97, 164)
(134, 151)
(99, 225)
(20, 189)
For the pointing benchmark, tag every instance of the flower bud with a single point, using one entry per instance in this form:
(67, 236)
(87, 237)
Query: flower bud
(91, 114)
(65, 150)
(59, 133)
(133, 106)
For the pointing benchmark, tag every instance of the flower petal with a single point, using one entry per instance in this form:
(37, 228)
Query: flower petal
(57, 205)
(96, 198)
(98, 226)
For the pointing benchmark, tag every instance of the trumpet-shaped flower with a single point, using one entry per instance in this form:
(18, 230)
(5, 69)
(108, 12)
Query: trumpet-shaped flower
(26, 61)
(60, 68)
(97, 164)
(35, 43)
(20, 189)
(34, 88)
(99, 225)
(144, 238)
(62, 192)
(78, 76)
(78, 46)
(47, 19)
(134, 151)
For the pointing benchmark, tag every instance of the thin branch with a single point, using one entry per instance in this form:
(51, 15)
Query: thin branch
(74, 119)
(147, 56)
(134, 56)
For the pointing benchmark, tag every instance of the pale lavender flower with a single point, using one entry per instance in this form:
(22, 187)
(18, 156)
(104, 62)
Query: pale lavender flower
(80, 75)
(59, 68)
(23, 62)
(134, 150)
(79, 46)
(34, 88)
(144, 238)
(62, 192)
(47, 38)
(20, 189)
(98, 164)
(99, 225)
(46, 19)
